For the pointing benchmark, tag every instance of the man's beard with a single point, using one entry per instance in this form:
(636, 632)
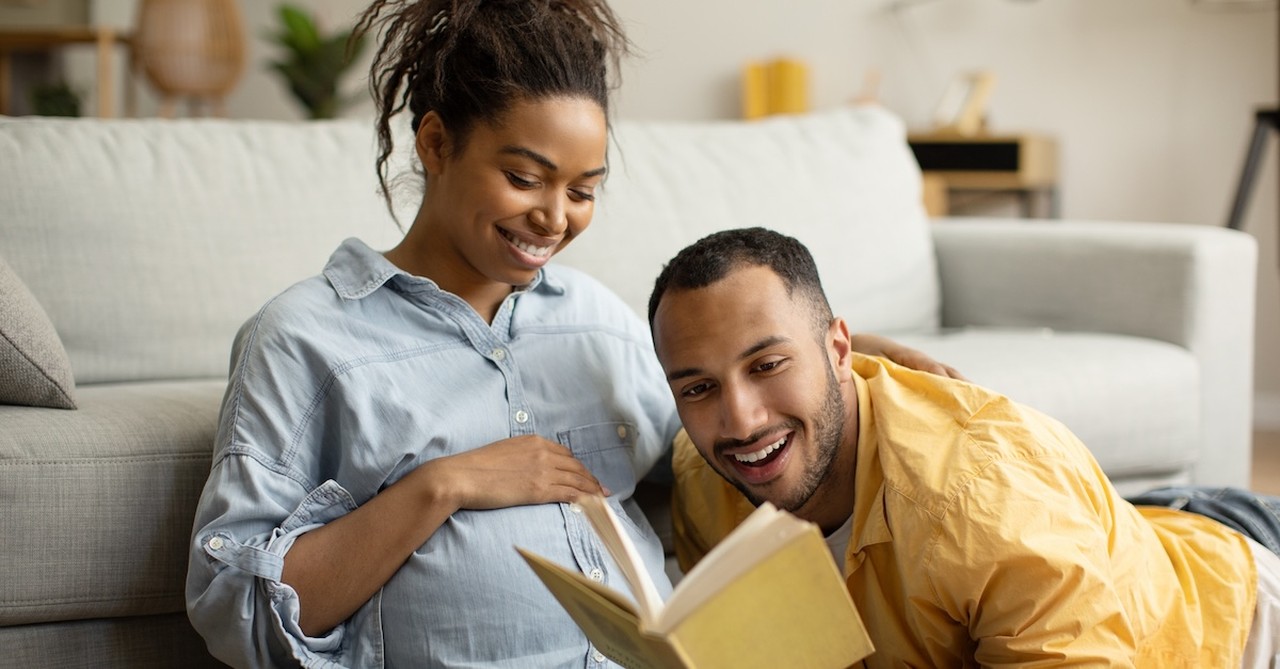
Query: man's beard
(828, 433)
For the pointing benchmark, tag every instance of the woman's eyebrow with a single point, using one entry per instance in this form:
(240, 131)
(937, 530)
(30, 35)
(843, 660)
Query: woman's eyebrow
(544, 161)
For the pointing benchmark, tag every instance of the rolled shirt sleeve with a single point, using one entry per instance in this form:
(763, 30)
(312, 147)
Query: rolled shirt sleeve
(235, 598)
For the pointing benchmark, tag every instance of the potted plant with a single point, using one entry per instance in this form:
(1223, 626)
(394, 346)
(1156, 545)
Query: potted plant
(313, 63)
(55, 99)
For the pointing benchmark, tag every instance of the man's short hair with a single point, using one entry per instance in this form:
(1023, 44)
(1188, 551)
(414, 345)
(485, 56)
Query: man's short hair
(713, 257)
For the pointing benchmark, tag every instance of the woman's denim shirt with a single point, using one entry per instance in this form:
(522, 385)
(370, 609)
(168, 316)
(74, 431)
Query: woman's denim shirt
(348, 381)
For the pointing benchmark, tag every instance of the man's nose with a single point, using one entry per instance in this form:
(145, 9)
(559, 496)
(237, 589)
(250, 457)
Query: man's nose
(742, 413)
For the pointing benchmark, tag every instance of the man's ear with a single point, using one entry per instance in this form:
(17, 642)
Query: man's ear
(839, 345)
(431, 143)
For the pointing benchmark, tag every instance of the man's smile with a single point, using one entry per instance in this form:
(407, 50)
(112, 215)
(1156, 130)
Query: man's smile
(756, 463)
(762, 454)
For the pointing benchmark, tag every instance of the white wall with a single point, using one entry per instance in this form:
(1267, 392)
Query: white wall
(1152, 101)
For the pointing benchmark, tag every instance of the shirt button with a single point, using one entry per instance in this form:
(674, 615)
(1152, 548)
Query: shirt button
(622, 431)
(499, 354)
(215, 544)
(596, 575)
(597, 656)
(522, 416)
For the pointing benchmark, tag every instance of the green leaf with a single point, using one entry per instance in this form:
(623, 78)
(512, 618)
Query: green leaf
(312, 64)
(301, 30)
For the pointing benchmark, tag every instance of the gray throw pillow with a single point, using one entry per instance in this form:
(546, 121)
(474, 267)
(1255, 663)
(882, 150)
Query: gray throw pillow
(34, 369)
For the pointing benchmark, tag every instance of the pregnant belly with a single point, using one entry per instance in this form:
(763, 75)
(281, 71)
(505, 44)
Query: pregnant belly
(466, 598)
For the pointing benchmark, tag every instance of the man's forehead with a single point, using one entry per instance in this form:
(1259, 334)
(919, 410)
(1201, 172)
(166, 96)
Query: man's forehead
(728, 316)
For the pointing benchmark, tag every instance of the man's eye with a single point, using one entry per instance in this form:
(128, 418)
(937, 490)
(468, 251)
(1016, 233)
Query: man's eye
(694, 391)
(768, 366)
(519, 181)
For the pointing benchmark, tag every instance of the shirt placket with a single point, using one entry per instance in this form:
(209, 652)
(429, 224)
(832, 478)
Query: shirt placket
(587, 551)
(589, 554)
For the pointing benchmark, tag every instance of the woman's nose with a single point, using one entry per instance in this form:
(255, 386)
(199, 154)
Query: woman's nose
(549, 217)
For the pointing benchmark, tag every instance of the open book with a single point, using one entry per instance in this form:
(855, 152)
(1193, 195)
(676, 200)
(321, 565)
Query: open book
(767, 596)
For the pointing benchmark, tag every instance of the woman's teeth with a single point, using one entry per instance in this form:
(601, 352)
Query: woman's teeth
(762, 453)
(535, 251)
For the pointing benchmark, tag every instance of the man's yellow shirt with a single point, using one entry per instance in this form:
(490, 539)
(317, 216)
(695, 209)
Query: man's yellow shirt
(985, 534)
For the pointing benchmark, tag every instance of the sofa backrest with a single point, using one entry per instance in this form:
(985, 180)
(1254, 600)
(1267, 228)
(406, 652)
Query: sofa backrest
(150, 242)
(842, 181)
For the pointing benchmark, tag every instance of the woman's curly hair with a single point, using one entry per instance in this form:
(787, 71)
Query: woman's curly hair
(470, 60)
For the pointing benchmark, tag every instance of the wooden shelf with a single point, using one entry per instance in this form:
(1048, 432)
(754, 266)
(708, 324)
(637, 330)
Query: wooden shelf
(105, 39)
(1022, 164)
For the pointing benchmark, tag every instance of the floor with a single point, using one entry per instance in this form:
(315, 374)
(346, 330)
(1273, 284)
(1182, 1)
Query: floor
(1266, 462)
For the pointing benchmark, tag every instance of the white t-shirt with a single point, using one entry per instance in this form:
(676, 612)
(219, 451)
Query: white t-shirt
(838, 542)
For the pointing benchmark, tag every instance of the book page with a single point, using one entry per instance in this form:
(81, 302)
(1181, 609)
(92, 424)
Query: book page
(763, 532)
(624, 553)
(608, 617)
(557, 578)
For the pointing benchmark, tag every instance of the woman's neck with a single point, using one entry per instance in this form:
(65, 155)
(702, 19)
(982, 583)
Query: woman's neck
(417, 258)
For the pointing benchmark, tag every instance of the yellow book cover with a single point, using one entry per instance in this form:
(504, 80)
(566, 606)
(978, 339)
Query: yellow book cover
(767, 596)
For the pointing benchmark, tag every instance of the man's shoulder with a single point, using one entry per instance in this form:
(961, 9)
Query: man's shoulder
(897, 391)
(937, 435)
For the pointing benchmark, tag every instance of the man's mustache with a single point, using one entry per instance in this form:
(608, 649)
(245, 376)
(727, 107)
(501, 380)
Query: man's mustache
(789, 425)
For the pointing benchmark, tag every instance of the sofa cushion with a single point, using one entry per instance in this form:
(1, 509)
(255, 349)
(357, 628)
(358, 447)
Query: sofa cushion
(1134, 402)
(98, 503)
(141, 642)
(842, 181)
(149, 242)
(34, 369)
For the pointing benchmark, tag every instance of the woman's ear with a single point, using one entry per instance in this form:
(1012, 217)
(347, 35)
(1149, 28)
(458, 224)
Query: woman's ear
(431, 143)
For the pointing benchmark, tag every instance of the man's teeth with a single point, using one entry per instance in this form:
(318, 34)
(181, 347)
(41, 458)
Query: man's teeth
(536, 251)
(762, 453)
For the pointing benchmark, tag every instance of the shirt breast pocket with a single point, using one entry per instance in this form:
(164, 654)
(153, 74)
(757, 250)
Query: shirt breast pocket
(605, 449)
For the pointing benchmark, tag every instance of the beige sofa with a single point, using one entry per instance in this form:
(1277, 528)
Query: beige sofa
(147, 243)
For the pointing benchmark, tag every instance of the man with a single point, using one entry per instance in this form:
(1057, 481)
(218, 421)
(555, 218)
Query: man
(971, 530)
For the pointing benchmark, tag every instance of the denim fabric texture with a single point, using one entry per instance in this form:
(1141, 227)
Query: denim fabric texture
(347, 382)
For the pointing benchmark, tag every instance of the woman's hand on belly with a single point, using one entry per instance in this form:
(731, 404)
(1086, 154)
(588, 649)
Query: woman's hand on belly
(336, 568)
(511, 472)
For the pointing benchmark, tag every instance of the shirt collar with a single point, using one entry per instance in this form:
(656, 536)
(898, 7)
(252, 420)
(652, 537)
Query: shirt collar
(869, 523)
(355, 271)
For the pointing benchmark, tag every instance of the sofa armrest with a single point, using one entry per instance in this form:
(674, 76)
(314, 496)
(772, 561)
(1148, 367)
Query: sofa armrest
(1190, 285)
